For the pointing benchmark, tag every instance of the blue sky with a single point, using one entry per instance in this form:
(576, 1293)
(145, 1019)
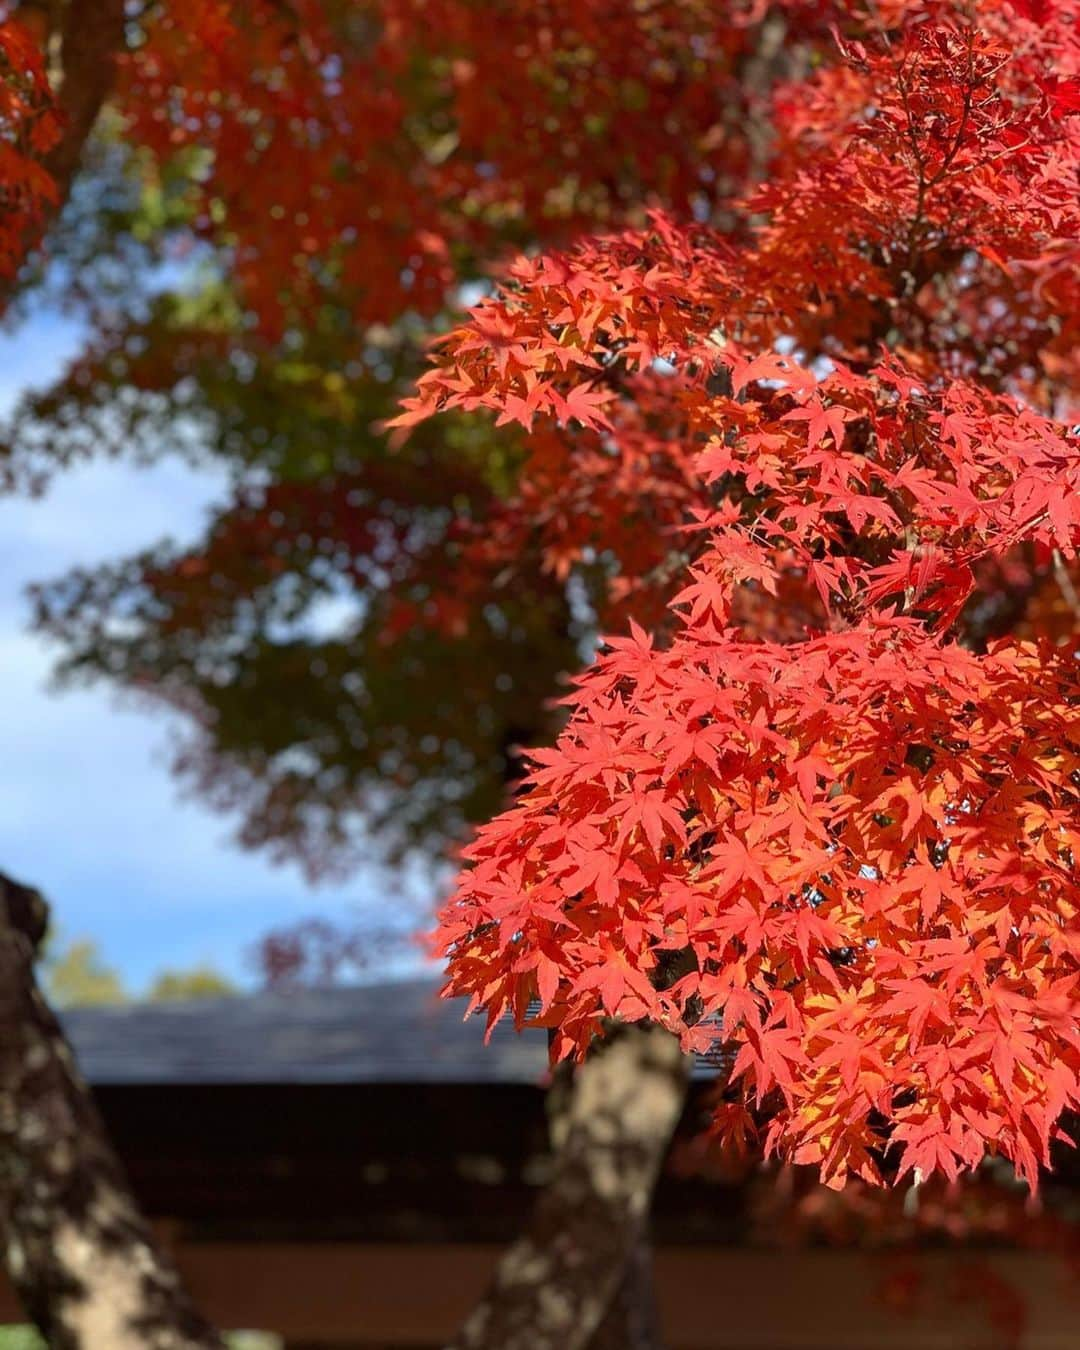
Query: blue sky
(88, 811)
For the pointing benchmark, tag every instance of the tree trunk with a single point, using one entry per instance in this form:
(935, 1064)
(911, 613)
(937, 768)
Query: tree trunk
(575, 1273)
(632, 1320)
(79, 1253)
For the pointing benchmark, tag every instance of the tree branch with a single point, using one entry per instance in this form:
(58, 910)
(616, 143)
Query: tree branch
(92, 37)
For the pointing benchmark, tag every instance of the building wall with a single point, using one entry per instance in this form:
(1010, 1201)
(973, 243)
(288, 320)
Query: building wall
(347, 1296)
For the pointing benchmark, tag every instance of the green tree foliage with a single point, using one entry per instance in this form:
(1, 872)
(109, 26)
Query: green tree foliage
(179, 986)
(20, 1338)
(27, 1338)
(329, 673)
(75, 975)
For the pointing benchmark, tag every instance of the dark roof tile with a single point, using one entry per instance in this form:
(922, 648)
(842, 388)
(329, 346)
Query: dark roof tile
(380, 1033)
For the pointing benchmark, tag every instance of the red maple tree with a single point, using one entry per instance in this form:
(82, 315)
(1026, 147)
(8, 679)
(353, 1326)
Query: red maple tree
(786, 372)
(826, 827)
(827, 823)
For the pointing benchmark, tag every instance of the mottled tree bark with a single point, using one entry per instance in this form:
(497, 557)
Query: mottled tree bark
(79, 1253)
(632, 1320)
(574, 1275)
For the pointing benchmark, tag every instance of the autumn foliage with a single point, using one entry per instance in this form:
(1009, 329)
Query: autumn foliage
(29, 128)
(779, 370)
(378, 137)
(825, 826)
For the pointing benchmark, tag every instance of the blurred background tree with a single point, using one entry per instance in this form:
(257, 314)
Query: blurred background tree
(182, 986)
(75, 974)
(277, 207)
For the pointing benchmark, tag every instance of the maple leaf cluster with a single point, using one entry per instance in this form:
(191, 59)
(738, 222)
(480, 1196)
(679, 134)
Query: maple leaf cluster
(864, 843)
(826, 827)
(30, 126)
(954, 190)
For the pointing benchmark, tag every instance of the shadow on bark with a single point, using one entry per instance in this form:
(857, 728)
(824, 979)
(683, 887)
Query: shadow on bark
(580, 1277)
(79, 1253)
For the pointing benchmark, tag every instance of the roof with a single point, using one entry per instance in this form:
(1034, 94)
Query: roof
(397, 1032)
